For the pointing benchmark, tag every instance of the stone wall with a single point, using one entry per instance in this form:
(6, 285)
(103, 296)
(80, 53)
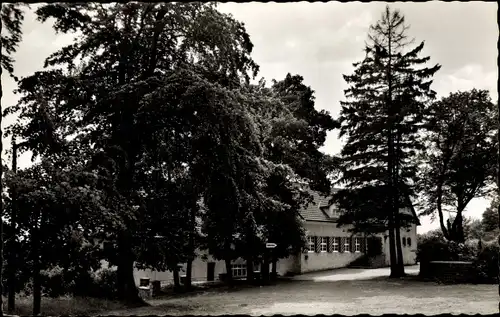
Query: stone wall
(449, 271)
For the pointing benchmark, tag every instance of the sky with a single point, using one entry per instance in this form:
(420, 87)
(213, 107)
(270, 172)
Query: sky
(320, 41)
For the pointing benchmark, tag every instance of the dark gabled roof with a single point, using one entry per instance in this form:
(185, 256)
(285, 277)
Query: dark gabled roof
(317, 211)
(412, 209)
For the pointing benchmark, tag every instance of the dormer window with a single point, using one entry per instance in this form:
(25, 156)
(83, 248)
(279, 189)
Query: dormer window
(333, 211)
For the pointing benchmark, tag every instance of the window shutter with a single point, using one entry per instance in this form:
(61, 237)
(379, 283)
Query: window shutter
(330, 244)
(342, 244)
(352, 244)
(317, 244)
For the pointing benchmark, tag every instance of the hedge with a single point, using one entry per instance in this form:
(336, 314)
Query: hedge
(484, 257)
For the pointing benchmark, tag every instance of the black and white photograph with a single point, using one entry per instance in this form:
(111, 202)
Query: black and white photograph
(249, 158)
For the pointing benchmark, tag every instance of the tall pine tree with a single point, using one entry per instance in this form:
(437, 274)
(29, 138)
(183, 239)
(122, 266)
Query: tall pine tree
(381, 119)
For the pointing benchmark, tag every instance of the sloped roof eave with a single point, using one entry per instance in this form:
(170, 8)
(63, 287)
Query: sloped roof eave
(315, 211)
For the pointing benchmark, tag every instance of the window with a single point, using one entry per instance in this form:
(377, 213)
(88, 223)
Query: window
(335, 244)
(409, 242)
(310, 243)
(333, 211)
(404, 242)
(347, 244)
(324, 244)
(357, 244)
(239, 270)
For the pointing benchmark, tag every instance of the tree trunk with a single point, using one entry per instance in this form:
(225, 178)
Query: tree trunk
(189, 273)
(390, 164)
(189, 266)
(446, 233)
(399, 251)
(390, 209)
(229, 271)
(12, 265)
(397, 223)
(250, 268)
(273, 267)
(265, 267)
(127, 290)
(458, 226)
(35, 244)
(156, 34)
(177, 283)
(37, 286)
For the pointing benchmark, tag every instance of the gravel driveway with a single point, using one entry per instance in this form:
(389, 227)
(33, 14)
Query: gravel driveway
(347, 274)
(346, 292)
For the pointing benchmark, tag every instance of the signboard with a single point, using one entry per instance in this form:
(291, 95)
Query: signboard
(271, 245)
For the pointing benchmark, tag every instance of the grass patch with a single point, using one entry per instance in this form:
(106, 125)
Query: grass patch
(64, 305)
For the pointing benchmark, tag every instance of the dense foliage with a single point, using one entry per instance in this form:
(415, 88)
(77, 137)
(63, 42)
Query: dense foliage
(433, 247)
(11, 16)
(457, 166)
(486, 263)
(151, 141)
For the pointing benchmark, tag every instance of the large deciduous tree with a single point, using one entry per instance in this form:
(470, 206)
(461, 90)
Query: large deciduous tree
(11, 16)
(58, 204)
(294, 142)
(381, 118)
(461, 139)
(116, 94)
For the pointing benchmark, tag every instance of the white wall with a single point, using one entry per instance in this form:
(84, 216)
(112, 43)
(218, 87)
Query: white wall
(409, 252)
(313, 261)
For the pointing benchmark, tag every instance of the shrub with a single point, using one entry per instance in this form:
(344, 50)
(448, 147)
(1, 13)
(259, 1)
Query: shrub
(436, 248)
(105, 284)
(57, 282)
(486, 264)
(54, 283)
(491, 236)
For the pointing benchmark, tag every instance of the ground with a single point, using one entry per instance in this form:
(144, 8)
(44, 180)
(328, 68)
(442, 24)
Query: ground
(346, 292)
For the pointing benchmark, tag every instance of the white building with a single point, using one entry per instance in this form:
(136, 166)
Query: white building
(329, 247)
